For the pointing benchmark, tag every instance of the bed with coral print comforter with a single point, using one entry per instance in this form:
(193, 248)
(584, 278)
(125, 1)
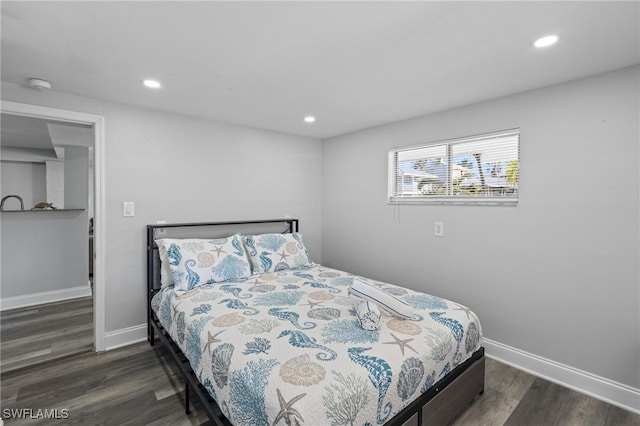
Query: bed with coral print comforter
(286, 347)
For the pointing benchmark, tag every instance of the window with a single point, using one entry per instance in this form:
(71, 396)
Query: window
(476, 169)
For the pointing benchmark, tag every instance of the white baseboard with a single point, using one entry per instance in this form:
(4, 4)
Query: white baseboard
(614, 393)
(125, 336)
(44, 297)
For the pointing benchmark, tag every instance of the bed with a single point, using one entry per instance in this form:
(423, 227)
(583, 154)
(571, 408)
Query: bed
(280, 342)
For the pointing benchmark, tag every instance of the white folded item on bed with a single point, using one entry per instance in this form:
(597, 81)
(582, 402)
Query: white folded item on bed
(366, 290)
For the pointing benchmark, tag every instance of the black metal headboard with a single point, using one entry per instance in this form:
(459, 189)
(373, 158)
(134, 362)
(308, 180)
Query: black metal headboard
(201, 230)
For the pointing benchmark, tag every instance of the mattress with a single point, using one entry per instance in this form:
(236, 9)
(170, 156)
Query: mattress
(287, 347)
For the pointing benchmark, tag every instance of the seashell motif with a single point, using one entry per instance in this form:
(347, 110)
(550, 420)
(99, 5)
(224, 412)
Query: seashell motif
(220, 361)
(395, 291)
(301, 371)
(411, 375)
(321, 295)
(291, 247)
(269, 276)
(205, 259)
(228, 320)
(281, 266)
(287, 280)
(324, 313)
(262, 288)
(404, 326)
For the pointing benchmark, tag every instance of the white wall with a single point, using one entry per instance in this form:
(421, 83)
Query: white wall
(558, 275)
(182, 169)
(24, 179)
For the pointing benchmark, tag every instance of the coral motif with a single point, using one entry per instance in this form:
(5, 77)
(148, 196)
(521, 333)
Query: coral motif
(258, 326)
(236, 304)
(291, 247)
(344, 398)
(380, 375)
(301, 371)
(193, 349)
(404, 326)
(228, 320)
(329, 274)
(324, 313)
(440, 343)
(193, 246)
(207, 296)
(348, 331)
(278, 298)
(235, 291)
(259, 345)
(205, 259)
(301, 340)
(473, 338)
(410, 376)
(342, 281)
(292, 317)
(321, 295)
(425, 301)
(180, 325)
(220, 362)
(271, 242)
(456, 328)
(231, 267)
(247, 390)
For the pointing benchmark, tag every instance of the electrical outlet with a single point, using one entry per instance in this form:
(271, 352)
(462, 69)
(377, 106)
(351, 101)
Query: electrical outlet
(438, 229)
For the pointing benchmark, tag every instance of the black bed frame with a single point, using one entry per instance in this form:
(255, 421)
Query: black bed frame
(440, 405)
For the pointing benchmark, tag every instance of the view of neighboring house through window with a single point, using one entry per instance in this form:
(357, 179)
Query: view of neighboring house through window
(477, 169)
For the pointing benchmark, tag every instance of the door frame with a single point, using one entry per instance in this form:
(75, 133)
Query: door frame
(97, 122)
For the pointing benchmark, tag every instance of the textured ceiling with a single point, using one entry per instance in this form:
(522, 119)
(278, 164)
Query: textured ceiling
(353, 65)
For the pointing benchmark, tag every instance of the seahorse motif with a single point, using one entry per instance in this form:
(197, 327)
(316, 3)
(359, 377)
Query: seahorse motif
(301, 340)
(192, 276)
(456, 329)
(251, 244)
(292, 317)
(380, 375)
(315, 284)
(236, 304)
(235, 242)
(234, 290)
(173, 253)
(266, 262)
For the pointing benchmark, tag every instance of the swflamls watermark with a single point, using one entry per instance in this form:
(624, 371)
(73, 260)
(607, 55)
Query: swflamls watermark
(35, 413)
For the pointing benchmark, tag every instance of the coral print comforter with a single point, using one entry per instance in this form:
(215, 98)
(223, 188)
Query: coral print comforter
(286, 348)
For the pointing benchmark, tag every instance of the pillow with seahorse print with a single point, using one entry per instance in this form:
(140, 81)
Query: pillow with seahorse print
(276, 252)
(196, 262)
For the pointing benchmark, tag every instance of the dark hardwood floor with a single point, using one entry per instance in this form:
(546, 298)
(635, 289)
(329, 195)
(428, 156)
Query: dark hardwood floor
(138, 385)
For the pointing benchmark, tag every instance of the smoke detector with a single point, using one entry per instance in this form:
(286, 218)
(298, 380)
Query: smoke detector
(38, 83)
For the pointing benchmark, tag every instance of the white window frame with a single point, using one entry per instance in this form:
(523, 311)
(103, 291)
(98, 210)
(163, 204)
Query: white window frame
(441, 152)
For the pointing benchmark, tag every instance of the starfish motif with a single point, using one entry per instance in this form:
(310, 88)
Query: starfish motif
(283, 256)
(401, 343)
(218, 250)
(465, 310)
(287, 411)
(312, 304)
(211, 340)
(256, 282)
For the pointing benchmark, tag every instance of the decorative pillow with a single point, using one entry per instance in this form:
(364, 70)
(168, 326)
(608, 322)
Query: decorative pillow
(195, 262)
(166, 279)
(276, 252)
(368, 315)
(366, 290)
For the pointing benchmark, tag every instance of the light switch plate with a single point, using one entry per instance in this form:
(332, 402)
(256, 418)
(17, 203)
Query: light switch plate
(438, 229)
(128, 209)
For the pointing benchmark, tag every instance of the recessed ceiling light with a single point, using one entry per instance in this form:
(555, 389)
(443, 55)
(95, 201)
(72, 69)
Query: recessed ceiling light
(152, 84)
(309, 119)
(546, 41)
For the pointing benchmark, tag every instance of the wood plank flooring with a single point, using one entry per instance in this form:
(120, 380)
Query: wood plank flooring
(138, 385)
(44, 332)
